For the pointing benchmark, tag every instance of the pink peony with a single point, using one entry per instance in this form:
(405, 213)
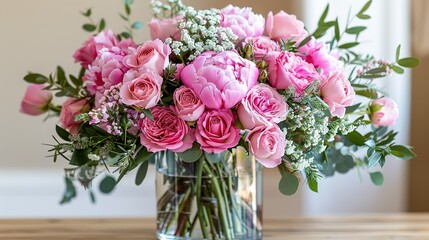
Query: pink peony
(141, 89)
(89, 51)
(220, 80)
(285, 70)
(166, 131)
(216, 132)
(151, 55)
(316, 53)
(165, 28)
(261, 46)
(268, 144)
(106, 71)
(263, 105)
(36, 100)
(188, 106)
(71, 108)
(284, 26)
(338, 93)
(242, 21)
(384, 112)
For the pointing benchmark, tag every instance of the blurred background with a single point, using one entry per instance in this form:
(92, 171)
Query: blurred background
(38, 35)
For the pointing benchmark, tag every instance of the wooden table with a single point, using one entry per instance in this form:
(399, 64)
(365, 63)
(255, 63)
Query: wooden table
(397, 227)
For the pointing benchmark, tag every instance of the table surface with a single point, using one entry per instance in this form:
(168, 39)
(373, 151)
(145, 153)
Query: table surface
(380, 227)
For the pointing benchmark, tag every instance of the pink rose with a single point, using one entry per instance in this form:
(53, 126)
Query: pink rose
(165, 28)
(220, 80)
(384, 112)
(188, 106)
(261, 46)
(268, 144)
(284, 26)
(338, 93)
(141, 89)
(151, 55)
(71, 108)
(285, 70)
(216, 132)
(36, 100)
(179, 68)
(106, 71)
(263, 105)
(166, 131)
(242, 21)
(316, 53)
(88, 52)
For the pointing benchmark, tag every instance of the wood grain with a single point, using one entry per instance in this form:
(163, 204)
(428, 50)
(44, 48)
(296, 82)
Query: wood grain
(380, 227)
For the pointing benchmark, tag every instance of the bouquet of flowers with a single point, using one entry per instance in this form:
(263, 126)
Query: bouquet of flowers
(210, 89)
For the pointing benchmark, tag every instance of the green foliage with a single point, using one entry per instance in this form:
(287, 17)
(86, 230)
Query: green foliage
(70, 191)
(107, 185)
(141, 172)
(288, 184)
(377, 178)
(191, 155)
(402, 152)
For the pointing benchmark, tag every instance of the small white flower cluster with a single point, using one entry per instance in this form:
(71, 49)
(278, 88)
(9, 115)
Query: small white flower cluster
(171, 9)
(340, 126)
(200, 32)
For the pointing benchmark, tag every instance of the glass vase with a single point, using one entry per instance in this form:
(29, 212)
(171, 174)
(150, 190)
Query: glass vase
(216, 197)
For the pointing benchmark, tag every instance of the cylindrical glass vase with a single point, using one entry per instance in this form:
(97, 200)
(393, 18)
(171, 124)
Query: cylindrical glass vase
(216, 197)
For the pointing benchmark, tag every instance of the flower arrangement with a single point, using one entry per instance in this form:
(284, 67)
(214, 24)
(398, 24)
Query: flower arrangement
(218, 82)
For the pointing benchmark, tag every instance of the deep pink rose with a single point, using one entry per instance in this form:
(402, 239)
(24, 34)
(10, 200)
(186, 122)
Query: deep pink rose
(220, 80)
(216, 131)
(106, 71)
(188, 106)
(165, 28)
(71, 108)
(242, 21)
(338, 93)
(384, 112)
(89, 50)
(285, 70)
(267, 144)
(263, 105)
(141, 89)
(166, 131)
(317, 53)
(284, 26)
(36, 100)
(261, 46)
(151, 55)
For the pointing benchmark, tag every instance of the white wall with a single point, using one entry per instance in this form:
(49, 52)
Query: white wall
(37, 35)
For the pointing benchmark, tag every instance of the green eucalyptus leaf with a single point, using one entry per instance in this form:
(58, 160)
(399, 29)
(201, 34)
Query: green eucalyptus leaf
(137, 25)
(337, 30)
(397, 69)
(70, 191)
(363, 16)
(313, 185)
(62, 133)
(377, 178)
(324, 14)
(216, 157)
(101, 25)
(87, 13)
(191, 155)
(61, 76)
(348, 45)
(376, 70)
(288, 184)
(398, 52)
(127, 9)
(353, 108)
(370, 143)
(141, 172)
(89, 27)
(148, 113)
(356, 30)
(36, 78)
(408, 62)
(402, 152)
(107, 185)
(374, 158)
(369, 93)
(356, 138)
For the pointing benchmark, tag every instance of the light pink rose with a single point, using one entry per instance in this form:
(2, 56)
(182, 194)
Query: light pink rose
(261, 46)
(36, 100)
(166, 131)
(284, 26)
(338, 93)
(216, 132)
(165, 28)
(285, 70)
(242, 21)
(384, 112)
(89, 50)
(188, 106)
(267, 144)
(141, 89)
(220, 80)
(106, 71)
(317, 53)
(151, 55)
(70, 109)
(263, 105)
(179, 68)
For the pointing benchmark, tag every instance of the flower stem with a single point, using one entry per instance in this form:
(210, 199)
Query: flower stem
(200, 213)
